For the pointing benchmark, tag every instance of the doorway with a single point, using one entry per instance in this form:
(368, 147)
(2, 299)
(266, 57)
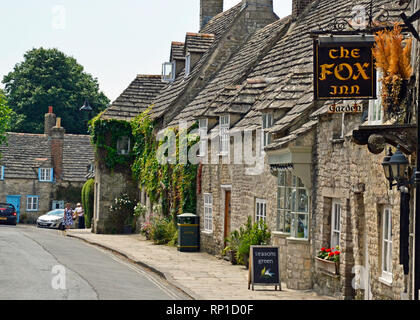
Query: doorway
(15, 200)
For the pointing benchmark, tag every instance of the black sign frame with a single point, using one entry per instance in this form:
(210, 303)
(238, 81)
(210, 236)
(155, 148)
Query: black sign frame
(351, 42)
(252, 279)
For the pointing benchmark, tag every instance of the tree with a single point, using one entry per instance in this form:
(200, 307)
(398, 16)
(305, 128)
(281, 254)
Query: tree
(47, 77)
(5, 113)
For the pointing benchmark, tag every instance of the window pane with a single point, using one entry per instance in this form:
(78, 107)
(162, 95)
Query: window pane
(287, 222)
(335, 239)
(282, 178)
(302, 200)
(385, 258)
(302, 226)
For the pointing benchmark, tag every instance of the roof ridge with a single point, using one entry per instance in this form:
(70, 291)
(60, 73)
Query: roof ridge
(149, 76)
(203, 35)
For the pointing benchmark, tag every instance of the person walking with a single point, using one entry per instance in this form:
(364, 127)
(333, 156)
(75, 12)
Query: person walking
(80, 213)
(68, 218)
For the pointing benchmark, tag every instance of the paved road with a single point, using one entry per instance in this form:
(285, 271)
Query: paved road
(32, 262)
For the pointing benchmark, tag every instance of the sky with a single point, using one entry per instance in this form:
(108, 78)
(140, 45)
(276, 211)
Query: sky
(113, 40)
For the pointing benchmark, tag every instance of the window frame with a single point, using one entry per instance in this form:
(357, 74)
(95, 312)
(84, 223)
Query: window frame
(386, 263)
(119, 149)
(187, 65)
(375, 116)
(336, 203)
(258, 204)
(203, 131)
(43, 177)
(290, 213)
(165, 77)
(224, 138)
(1, 173)
(208, 212)
(32, 203)
(266, 136)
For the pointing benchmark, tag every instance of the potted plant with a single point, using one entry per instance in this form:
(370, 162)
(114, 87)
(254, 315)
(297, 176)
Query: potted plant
(122, 213)
(232, 246)
(328, 260)
(393, 58)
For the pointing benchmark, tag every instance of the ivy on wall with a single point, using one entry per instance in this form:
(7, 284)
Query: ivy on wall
(173, 184)
(105, 134)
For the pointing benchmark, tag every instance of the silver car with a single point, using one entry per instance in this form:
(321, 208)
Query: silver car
(52, 219)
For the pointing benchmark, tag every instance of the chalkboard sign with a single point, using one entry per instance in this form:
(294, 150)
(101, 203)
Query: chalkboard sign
(264, 267)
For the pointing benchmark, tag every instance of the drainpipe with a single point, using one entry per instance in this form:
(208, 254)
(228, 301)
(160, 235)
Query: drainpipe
(417, 215)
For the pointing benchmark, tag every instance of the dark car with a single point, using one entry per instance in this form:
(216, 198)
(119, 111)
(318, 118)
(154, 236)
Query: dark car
(8, 214)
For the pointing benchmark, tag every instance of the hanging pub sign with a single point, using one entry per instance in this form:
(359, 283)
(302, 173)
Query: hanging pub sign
(344, 68)
(264, 267)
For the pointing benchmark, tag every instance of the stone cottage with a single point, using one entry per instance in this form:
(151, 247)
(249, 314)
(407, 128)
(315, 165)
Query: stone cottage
(40, 172)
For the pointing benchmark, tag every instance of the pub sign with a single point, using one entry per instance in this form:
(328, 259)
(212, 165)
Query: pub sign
(344, 68)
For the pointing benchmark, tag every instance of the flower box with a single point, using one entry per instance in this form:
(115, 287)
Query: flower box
(329, 267)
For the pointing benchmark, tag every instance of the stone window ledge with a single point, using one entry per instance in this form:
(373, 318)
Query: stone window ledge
(291, 239)
(385, 281)
(280, 234)
(207, 232)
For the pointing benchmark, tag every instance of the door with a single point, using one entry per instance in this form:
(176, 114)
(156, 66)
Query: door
(227, 214)
(15, 200)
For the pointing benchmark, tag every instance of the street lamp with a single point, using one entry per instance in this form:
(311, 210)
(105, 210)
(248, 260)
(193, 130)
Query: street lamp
(86, 107)
(395, 167)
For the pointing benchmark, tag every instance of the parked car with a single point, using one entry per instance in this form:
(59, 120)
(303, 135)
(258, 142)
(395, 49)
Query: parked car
(8, 214)
(52, 219)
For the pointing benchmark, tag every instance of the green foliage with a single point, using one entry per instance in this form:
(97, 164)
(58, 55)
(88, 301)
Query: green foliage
(5, 114)
(88, 201)
(249, 235)
(48, 77)
(175, 184)
(163, 230)
(105, 134)
(122, 211)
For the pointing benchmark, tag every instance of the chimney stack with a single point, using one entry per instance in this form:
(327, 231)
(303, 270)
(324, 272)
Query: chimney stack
(57, 144)
(299, 6)
(208, 10)
(259, 5)
(49, 122)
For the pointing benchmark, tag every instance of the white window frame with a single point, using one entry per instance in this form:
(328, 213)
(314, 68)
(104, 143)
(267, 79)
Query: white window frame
(187, 65)
(208, 212)
(289, 212)
(260, 210)
(45, 174)
(336, 225)
(376, 111)
(1, 172)
(31, 204)
(120, 150)
(224, 126)
(171, 76)
(386, 263)
(203, 130)
(267, 122)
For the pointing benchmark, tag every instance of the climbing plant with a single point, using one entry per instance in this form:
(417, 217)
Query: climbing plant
(88, 200)
(174, 184)
(104, 135)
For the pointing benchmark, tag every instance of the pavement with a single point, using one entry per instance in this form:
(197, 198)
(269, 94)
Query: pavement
(198, 274)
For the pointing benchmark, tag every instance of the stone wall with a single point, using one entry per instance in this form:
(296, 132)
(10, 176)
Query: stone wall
(352, 175)
(46, 191)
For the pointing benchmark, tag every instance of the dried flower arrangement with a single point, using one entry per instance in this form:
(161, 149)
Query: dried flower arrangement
(393, 58)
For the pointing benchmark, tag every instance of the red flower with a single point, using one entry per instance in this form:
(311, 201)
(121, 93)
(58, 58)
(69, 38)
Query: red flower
(328, 250)
(322, 249)
(331, 254)
(332, 249)
(337, 253)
